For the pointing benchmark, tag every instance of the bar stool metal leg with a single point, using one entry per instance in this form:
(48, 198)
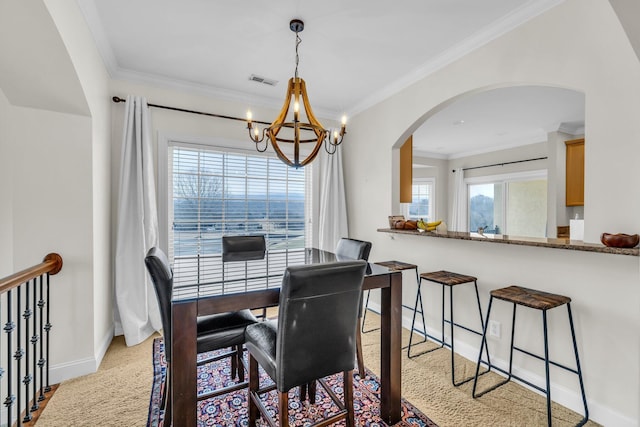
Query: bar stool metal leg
(413, 321)
(483, 346)
(364, 314)
(475, 284)
(546, 365)
(578, 369)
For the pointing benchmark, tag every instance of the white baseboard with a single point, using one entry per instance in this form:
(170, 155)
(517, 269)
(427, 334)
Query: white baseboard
(568, 398)
(77, 368)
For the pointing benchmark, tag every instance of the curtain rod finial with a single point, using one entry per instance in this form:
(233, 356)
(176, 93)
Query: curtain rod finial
(118, 99)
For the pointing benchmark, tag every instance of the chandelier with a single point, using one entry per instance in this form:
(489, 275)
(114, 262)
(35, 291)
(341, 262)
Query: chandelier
(285, 136)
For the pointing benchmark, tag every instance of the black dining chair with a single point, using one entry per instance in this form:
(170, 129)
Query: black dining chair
(355, 249)
(294, 351)
(214, 332)
(244, 248)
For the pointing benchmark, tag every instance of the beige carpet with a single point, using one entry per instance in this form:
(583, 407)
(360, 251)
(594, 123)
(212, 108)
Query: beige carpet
(118, 394)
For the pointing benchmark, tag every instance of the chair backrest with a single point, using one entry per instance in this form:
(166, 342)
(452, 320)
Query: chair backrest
(317, 320)
(243, 248)
(162, 276)
(353, 249)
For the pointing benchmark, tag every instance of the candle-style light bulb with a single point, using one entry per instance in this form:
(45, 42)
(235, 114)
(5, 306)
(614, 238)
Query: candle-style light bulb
(344, 120)
(256, 131)
(296, 107)
(335, 136)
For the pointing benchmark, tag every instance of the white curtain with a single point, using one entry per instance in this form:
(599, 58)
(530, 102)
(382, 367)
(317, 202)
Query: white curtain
(136, 304)
(333, 204)
(459, 211)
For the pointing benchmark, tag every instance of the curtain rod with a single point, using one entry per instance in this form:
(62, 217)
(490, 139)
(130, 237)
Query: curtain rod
(117, 99)
(502, 164)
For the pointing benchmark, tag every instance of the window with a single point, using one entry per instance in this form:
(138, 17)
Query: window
(513, 204)
(213, 192)
(422, 196)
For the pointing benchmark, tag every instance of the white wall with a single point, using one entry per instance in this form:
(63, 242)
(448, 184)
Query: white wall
(579, 45)
(51, 207)
(6, 192)
(94, 81)
(56, 197)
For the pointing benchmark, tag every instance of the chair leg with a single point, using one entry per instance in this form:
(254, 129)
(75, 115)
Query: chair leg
(238, 357)
(348, 398)
(167, 399)
(283, 408)
(254, 384)
(312, 392)
(234, 365)
(359, 356)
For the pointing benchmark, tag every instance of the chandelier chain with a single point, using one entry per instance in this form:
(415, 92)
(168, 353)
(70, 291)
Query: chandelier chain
(298, 41)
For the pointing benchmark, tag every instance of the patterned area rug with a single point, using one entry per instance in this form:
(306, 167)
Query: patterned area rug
(231, 409)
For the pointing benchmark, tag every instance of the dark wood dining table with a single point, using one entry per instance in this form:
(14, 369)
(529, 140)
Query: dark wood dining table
(236, 287)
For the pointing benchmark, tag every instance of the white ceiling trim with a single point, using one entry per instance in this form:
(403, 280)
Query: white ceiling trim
(521, 15)
(482, 37)
(535, 138)
(90, 13)
(429, 154)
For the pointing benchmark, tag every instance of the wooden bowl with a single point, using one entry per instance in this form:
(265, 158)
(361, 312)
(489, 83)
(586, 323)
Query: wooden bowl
(619, 240)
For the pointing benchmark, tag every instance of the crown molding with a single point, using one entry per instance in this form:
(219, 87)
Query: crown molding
(502, 26)
(525, 140)
(90, 13)
(572, 128)
(493, 31)
(429, 154)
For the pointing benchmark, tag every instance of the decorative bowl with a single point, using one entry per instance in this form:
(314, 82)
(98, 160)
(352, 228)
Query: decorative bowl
(620, 240)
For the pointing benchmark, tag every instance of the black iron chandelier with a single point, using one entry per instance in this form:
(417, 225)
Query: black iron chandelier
(286, 132)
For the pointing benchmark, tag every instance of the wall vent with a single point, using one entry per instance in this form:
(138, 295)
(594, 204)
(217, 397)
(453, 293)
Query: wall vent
(263, 80)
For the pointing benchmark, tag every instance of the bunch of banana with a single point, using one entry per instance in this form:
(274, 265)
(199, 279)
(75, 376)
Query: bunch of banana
(428, 226)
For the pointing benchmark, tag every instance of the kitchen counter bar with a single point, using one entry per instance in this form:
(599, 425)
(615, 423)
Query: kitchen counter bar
(572, 245)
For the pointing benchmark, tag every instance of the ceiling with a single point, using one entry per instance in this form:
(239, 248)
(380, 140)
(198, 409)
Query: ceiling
(353, 54)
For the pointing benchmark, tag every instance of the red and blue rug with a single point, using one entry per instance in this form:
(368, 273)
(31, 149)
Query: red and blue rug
(231, 409)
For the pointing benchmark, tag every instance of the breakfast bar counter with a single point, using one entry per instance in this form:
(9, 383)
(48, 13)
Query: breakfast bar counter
(575, 245)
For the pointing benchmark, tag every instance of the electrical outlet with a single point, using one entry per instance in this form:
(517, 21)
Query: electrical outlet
(494, 328)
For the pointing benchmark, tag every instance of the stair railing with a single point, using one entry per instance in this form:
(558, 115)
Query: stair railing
(24, 341)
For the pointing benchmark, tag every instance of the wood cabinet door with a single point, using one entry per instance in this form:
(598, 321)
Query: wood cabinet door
(575, 172)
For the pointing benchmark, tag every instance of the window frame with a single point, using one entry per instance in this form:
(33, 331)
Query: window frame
(432, 200)
(502, 179)
(166, 141)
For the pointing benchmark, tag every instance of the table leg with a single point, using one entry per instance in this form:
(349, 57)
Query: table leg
(390, 350)
(184, 372)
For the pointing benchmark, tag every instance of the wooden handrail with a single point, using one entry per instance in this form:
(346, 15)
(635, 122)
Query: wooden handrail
(51, 264)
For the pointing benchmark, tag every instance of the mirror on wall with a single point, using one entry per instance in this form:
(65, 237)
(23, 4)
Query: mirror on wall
(508, 143)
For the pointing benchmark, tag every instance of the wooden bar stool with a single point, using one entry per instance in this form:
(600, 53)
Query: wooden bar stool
(447, 278)
(400, 266)
(542, 301)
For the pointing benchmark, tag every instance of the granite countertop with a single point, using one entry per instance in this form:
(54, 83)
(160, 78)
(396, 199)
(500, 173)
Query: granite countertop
(574, 245)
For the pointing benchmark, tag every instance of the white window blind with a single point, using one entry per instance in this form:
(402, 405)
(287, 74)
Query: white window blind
(214, 193)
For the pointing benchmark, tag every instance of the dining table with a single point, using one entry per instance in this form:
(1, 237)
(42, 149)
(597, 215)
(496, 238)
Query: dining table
(254, 285)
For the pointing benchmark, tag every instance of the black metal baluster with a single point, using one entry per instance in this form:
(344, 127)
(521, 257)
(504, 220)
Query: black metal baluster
(26, 380)
(2, 370)
(19, 353)
(8, 328)
(41, 361)
(47, 328)
(34, 342)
